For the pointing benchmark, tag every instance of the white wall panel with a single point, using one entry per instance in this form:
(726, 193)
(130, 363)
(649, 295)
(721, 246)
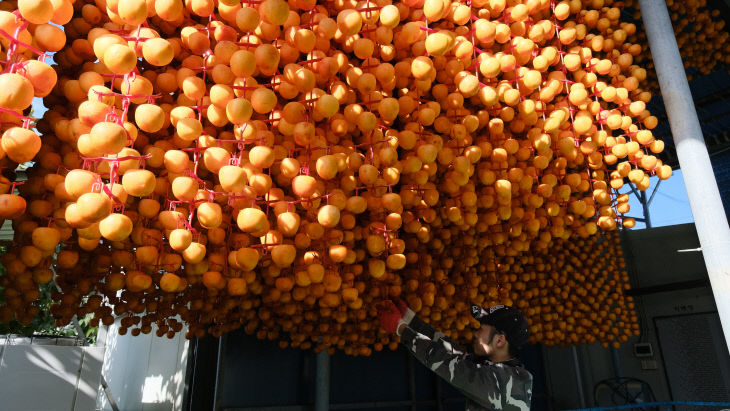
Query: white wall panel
(53, 378)
(145, 372)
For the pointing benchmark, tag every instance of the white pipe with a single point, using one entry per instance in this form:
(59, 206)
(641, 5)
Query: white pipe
(704, 197)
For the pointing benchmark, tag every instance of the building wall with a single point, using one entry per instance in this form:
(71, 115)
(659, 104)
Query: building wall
(144, 372)
(666, 283)
(37, 377)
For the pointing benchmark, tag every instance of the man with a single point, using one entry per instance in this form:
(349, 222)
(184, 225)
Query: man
(491, 378)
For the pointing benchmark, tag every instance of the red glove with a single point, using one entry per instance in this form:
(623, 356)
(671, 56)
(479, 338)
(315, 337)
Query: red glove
(406, 313)
(402, 306)
(389, 316)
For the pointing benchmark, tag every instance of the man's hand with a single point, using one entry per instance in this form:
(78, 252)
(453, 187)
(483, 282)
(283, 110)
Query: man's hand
(389, 316)
(406, 313)
(402, 306)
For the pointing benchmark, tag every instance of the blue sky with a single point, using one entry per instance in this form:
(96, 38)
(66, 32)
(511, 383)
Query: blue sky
(38, 107)
(670, 205)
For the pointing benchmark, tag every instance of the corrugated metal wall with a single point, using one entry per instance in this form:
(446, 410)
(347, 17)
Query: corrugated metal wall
(697, 367)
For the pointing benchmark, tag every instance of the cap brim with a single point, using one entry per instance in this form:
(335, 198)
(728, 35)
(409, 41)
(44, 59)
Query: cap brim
(478, 313)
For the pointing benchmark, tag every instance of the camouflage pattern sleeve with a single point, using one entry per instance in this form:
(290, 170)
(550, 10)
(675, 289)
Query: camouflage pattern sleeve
(491, 385)
(421, 327)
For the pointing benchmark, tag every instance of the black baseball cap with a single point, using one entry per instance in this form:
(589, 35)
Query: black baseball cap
(505, 319)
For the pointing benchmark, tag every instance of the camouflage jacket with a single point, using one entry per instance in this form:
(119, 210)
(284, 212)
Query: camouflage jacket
(486, 385)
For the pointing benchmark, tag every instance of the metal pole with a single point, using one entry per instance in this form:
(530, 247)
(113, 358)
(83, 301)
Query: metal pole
(641, 196)
(322, 395)
(79, 331)
(109, 395)
(411, 381)
(616, 363)
(218, 373)
(645, 204)
(578, 377)
(704, 197)
(656, 188)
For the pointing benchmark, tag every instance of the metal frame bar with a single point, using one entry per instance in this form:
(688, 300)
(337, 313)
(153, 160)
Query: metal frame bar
(663, 288)
(651, 197)
(641, 196)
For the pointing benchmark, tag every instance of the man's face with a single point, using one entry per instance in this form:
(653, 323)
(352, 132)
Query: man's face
(484, 340)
